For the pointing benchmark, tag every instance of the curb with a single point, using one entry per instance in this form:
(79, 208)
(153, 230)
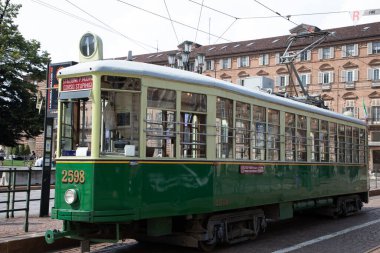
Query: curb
(34, 243)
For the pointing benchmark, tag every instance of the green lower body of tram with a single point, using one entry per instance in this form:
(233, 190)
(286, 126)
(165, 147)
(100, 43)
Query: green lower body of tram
(203, 202)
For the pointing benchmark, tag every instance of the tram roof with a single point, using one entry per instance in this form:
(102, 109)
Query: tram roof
(144, 69)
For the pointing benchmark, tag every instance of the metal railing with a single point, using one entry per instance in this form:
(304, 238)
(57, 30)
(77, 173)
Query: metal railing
(11, 189)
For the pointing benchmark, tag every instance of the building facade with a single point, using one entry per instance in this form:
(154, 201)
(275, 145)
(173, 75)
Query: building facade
(344, 70)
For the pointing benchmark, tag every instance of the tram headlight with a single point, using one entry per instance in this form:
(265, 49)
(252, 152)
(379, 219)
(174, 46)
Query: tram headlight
(71, 196)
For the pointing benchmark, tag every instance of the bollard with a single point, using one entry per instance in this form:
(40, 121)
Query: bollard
(13, 193)
(26, 225)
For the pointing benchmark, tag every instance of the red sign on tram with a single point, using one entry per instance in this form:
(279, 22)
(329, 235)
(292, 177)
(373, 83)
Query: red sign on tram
(77, 83)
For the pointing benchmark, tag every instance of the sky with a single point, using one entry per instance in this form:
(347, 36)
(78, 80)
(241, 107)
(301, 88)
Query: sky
(123, 25)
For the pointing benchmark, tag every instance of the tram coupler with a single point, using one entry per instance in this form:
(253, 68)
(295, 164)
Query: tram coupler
(52, 235)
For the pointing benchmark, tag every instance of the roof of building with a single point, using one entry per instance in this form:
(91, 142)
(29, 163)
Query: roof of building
(272, 44)
(167, 73)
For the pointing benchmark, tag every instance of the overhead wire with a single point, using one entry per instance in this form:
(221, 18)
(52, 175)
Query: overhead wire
(199, 21)
(277, 13)
(175, 21)
(52, 7)
(171, 21)
(141, 44)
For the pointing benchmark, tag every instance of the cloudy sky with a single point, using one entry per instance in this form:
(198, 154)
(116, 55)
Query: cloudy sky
(144, 26)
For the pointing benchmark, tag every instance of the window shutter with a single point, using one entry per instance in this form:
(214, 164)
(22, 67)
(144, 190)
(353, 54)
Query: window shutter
(261, 59)
(320, 53)
(356, 75)
(266, 59)
(277, 80)
(356, 49)
(239, 62)
(229, 63)
(332, 53)
(221, 64)
(356, 112)
(212, 65)
(344, 51)
(286, 80)
(195, 63)
(277, 58)
(331, 76)
(343, 74)
(369, 48)
(248, 62)
(369, 74)
(308, 77)
(308, 55)
(320, 77)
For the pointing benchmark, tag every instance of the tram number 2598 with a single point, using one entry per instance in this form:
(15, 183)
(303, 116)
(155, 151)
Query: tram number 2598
(73, 176)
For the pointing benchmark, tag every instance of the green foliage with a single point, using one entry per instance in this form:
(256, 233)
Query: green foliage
(21, 63)
(27, 150)
(17, 150)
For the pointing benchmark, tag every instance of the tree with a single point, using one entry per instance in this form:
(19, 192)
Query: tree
(21, 63)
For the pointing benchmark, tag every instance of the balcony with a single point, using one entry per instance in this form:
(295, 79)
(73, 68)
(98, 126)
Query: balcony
(349, 85)
(326, 86)
(373, 121)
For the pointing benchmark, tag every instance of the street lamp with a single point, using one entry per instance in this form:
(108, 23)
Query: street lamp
(185, 60)
(201, 61)
(171, 59)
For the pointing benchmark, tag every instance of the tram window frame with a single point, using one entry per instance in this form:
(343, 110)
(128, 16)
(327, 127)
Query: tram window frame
(242, 131)
(301, 138)
(333, 142)
(315, 141)
(324, 141)
(193, 128)
(224, 128)
(259, 134)
(290, 136)
(121, 110)
(341, 143)
(362, 146)
(76, 122)
(348, 144)
(161, 123)
(355, 143)
(273, 136)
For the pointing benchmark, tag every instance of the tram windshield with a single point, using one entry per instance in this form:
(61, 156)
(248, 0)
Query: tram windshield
(120, 108)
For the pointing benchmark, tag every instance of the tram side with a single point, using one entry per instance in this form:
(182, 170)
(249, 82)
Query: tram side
(164, 156)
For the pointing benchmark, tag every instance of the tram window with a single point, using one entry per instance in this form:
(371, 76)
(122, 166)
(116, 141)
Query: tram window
(121, 83)
(333, 142)
(342, 142)
(362, 146)
(224, 128)
(324, 141)
(120, 122)
(242, 125)
(290, 138)
(259, 133)
(273, 140)
(314, 136)
(161, 123)
(193, 125)
(301, 139)
(76, 127)
(348, 146)
(356, 147)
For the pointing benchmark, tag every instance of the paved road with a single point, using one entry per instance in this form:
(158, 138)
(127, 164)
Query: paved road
(304, 233)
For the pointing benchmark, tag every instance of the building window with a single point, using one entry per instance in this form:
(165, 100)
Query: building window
(349, 76)
(350, 106)
(264, 59)
(305, 55)
(282, 80)
(210, 65)
(375, 110)
(373, 47)
(225, 63)
(374, 74)
(305, 79)
(243, 61)
(350, 50)
(326, 53)
(326, 77)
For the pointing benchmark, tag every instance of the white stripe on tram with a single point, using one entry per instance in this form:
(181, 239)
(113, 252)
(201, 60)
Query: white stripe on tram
(326, 237)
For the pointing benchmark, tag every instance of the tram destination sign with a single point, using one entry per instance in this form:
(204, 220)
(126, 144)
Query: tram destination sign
(77, 83)
(251, 169)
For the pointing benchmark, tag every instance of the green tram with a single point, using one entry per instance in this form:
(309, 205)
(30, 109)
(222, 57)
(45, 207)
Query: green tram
(151, 152)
